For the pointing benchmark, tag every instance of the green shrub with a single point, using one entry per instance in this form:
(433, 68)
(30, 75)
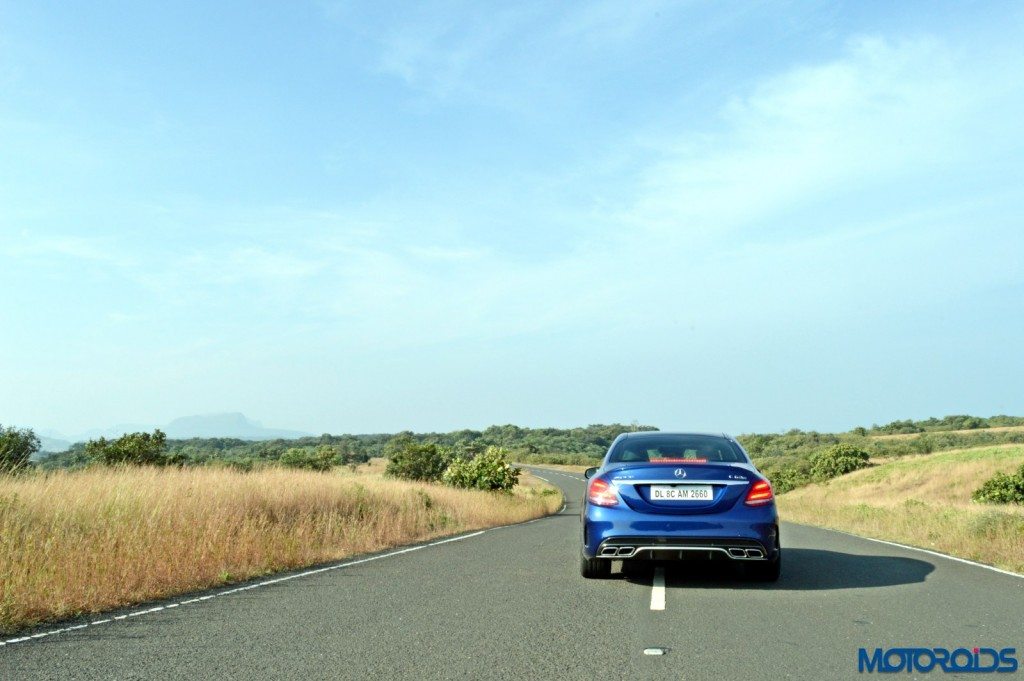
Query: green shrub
(489, 470)
(16, 447)
(1002, 489)
(414, 461)
(136, 449)
(838, 460)
(785, 472)
(320, 459)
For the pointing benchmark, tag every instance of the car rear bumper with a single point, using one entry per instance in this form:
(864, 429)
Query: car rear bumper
(740, 534)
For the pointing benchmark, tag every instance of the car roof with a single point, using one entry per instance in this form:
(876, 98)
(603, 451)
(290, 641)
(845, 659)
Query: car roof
(648, 433)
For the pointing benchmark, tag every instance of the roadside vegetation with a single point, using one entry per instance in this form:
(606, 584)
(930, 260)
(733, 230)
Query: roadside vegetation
(928, 501)
(589, 443)
(17, 445)
(488, 470)
(83, 541)
(786, 458)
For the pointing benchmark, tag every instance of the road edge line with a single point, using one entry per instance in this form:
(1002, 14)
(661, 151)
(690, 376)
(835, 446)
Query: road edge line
(275, 580)
(938, 554)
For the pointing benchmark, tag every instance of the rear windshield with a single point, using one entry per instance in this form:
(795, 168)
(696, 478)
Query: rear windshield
(676, 448)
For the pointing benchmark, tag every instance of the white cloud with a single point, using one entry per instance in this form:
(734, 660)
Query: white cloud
(607, 21)
(257, 263)
(28, 244)
(440, 253)
(499, 56)
(443, 55)
(821, 159)
(882, 112)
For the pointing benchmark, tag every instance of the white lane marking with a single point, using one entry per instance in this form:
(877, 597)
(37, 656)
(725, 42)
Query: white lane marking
(658, 589)
(268, 582)
(918, 548)
(654, 651)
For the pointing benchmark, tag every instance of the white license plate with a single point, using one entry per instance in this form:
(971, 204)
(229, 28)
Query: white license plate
(682, 493)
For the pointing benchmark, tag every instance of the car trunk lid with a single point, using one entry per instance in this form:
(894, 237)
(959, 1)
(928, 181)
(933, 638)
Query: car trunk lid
(681, 487)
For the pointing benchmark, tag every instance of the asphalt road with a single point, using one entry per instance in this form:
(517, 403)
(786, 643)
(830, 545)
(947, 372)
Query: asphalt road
(509, 603)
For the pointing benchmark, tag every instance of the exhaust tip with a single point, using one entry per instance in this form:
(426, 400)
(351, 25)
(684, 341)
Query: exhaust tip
(755, 553)
(625, 551)
(737, 553)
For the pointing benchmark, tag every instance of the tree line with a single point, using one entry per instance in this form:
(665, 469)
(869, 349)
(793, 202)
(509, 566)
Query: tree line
(784, 457)
(591, 442)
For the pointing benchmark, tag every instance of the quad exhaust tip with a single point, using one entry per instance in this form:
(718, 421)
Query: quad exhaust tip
(618, 551)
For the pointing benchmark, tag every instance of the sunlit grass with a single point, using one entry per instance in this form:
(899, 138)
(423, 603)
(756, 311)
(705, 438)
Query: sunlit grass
(86, 541)
(924, 501)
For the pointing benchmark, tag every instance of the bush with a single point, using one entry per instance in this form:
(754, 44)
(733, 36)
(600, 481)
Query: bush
(785, 473)
(136, 449)
(838, 460)
(1002, 489)
(489, 470)
(16, 448)
(320, 459)
(414, 461)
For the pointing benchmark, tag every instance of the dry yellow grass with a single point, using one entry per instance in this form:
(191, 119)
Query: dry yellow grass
(86, 541)
(923, 501)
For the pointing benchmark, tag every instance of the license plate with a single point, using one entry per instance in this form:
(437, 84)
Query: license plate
(681, 493)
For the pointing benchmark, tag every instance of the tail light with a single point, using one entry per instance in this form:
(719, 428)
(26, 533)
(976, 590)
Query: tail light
(600, 493)
(760, 493)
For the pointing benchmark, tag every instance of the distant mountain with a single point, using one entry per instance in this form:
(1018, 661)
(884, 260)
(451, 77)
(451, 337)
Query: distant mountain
(225, 425)
(205, 425)
(50, 444)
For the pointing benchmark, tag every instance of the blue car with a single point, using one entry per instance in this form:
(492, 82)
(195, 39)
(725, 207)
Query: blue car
(677, 496)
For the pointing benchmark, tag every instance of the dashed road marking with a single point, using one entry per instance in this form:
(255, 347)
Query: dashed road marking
(658, 589)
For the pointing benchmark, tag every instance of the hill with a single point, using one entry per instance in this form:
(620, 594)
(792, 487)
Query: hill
(50, 444)
(234, 425)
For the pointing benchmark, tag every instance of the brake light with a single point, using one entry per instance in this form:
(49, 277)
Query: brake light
(668, 459)
(600, 493)
(760, 493)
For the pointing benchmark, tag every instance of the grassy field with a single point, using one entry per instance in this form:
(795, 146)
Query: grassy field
(87, 541)
(923, 501)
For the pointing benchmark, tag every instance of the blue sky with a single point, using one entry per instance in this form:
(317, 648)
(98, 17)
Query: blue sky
(356, 218)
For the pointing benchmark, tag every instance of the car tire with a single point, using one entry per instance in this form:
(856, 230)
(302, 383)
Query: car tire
(595, 568)
(767, 571)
